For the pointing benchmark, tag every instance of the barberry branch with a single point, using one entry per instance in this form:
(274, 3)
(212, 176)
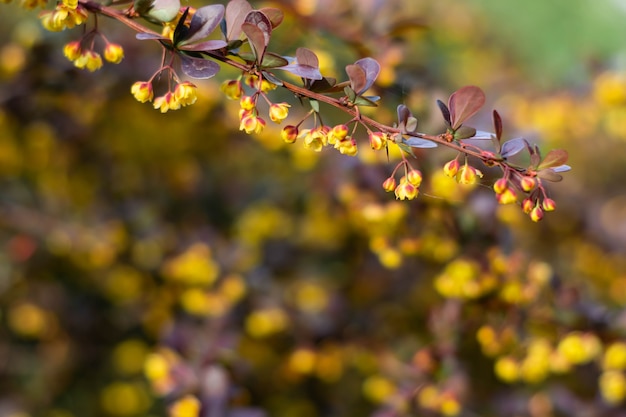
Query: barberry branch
(246, 35)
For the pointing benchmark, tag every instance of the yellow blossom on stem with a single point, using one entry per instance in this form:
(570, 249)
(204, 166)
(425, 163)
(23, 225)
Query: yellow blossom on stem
(536, 214)
(378, 140)
(89, 60)
(348, 147)
(252, 124)
(72, 50)
(166, 102)
(406, 191)
(232, 89)
(451, 168)
(468, 174)
(279, 112)
(527, 205)
(548, 204)
(114, 53)
(247, 103)
(71, 4)
(142, 91)
(506, 197)
(500, 186)
(186, 93)
(289, 134)
(389, 184)
(528, 183)
(414, 176)
(337, 134)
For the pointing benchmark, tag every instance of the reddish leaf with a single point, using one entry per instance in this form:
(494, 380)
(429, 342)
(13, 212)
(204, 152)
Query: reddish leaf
(203, 22)
(554, 158)
(549, 175)
(356, 74)
(464, 103)
(236, 12)
(211, 45)
(371, 67)
(307, 57)
(257, 28)
(403, 114)
(444, 111)
(497, 125)
(274, 15)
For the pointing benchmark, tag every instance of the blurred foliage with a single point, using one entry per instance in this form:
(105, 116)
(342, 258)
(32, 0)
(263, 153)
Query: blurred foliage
(169, 265)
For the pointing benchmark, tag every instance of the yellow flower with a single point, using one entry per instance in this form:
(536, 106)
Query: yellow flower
(142, 91)
(72, 50)
(252, 124)
(186, 93)
(289, 134)
(279, 112)
(90, 60)
(451, 168)
(166, 102)
(378, 140)
(232, 89)
(406, 190)
(468, 174)
(247, 103)
(114, 53)
(71, 4)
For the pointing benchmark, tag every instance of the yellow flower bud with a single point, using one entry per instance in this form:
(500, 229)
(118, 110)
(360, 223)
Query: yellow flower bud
(289, 134)
(90, 60)
(114, 53)
(186, 93)
(378, 140)
(247, 103)
(451, 168)
(389, 184)
(232, 89)
(166, 102)
(142, 91)
(72, 50)
(406, 190)
(279, 112)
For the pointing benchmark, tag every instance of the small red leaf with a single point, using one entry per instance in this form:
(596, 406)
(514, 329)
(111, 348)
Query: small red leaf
(497, 125)
(356, 74)
(554, 158)
(464, 103)
(307, 57)
(274, 15)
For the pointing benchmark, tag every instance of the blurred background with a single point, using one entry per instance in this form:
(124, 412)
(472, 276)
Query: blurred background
(150, 261)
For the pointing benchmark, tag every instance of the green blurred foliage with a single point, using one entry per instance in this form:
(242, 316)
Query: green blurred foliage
(149, 257)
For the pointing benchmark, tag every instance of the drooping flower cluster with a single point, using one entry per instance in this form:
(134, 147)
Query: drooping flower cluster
(66, 15)
(90, 59)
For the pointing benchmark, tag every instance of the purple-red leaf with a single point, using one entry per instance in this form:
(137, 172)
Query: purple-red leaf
(371, 67)
(403, 114)
(211, 45)
(549, 175)
(464, 103)
(274, 15)
(203, 22)
(236, 12)
(512, 147)
(554, 158)
(357, 78)
(198, 67)
(257, 28)
(497, 125)
(444, 111)
(307, 57)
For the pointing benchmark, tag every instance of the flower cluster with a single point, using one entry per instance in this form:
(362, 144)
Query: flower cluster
(90, 59)
(408, 187)
(66, 15)
(184, 94)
